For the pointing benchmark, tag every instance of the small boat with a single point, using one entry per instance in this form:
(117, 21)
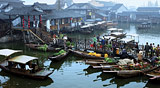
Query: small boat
(126, 71)
(59, 57)
(154, 75)
(37, 47)
(84, 54)
(22, 65)
(98, 62)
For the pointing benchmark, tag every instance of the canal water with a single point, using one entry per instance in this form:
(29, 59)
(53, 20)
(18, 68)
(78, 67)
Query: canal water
(73, 73)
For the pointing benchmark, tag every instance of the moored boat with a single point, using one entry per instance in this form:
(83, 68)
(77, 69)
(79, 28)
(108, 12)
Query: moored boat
(126, 71)
(42, 47)
(23, 65)
(154, 75)
(84, 54)
(59, 56)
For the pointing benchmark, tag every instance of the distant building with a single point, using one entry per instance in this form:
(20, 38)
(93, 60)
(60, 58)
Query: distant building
(45, 7)
(115, 10)
(102, 5)
(7, 5)
(63, 3)
(60, 19)
(85, 9)
(148, 9)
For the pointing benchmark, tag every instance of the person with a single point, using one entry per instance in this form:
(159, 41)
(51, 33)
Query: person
(154, 48)
(146, 48)
(54, 39)
(140, 56)
(136, 47)
(124, 54)
(151, 50)
(98, 37)
(157, 50)
(65, 40)
(153, 60)
(103, 42)
(94, 41)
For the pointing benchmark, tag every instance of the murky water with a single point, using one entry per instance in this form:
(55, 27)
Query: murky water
(72, 73)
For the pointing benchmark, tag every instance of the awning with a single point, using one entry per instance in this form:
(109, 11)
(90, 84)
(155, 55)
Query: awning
(23, 59)
(109, 37)
(116, 33)
(8, 52)
(126, 40)
(112, 29)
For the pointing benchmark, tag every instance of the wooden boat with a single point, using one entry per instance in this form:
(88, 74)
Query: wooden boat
(84, 54)
(154, 75)
(128, 71)
(98, 62)
(18, 65)
(59, 57)
(36, 47)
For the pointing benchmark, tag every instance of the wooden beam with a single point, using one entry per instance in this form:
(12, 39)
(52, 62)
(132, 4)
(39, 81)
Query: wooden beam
(36, 36)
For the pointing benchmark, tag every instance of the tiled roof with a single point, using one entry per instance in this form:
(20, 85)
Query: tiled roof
(116, 7)
(25, 11)
(56, 14)
(148, 9)
(45, 6)
(80, 6)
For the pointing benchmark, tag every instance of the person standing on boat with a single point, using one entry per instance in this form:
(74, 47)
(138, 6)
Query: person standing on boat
(146, 48)
(103, 42)
(94, 42)
(157, 50)
(65, 40)
(154, 48)
(153, 60)
(137, 48)
(98, 37)
(54, 39)
(151, 50)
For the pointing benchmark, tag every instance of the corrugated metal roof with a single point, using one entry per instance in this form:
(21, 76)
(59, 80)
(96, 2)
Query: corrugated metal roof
(23, 59)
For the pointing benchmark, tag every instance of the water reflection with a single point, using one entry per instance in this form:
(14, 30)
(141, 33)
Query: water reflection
(12, 81)
(90, 70)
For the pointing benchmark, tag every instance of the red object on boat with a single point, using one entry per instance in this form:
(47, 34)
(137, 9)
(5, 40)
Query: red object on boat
(91, 45)
(100, 46)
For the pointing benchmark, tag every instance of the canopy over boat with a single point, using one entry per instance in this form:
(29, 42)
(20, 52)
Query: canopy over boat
(112, 29)
(126, 40)
(116, 33)
(119, 29)
(23, 59)
(8, 52)
(109, 37)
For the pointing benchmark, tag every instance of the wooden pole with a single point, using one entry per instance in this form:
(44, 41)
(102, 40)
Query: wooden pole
(11, 27)
(24, 36)
(85, 43)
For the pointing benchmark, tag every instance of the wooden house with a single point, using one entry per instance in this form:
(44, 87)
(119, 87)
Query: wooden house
(85, 9)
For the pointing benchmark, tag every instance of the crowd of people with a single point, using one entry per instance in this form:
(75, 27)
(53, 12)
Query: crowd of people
(129, 50)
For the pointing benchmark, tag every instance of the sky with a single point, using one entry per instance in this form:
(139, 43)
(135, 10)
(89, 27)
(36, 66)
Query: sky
(127, 3)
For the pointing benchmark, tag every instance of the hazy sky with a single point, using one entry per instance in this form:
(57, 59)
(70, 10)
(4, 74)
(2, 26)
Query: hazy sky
(125, 2)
